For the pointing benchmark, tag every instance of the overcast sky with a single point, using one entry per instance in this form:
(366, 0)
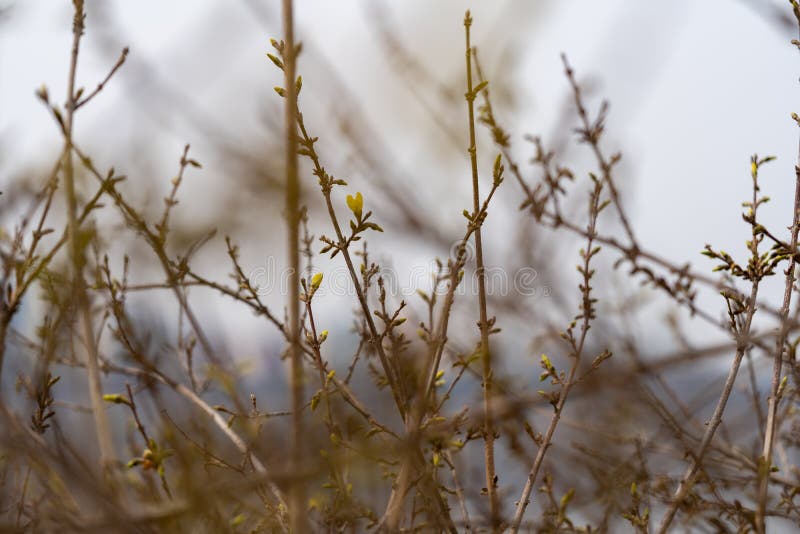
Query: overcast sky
(695, 89)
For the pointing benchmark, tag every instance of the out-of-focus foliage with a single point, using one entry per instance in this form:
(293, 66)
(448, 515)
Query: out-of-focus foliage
(144, 351)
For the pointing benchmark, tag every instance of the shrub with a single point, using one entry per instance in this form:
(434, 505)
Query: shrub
(377, 440)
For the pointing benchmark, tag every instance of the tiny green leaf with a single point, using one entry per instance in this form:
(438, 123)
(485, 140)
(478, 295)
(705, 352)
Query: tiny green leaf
(480, 87)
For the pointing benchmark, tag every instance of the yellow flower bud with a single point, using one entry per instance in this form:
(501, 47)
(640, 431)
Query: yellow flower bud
(316, 280)
(355, 203)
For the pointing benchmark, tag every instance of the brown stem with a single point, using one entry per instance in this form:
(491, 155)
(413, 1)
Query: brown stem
(415, 460)
(486, 359)
(742, 333)
(604, 164)
(80, 296)
(343, 247)
(689, 477)
(297, 494)
(577, 346)
(765, 465)
(437, 345)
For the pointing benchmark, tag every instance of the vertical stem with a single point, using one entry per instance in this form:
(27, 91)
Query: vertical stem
(488, 431)
(80, 297)
(742, 334)
(765, 463)
(412, 418)
(547, 439)
(5, 317)
(690, 476)
(587, 314)
(297, 496)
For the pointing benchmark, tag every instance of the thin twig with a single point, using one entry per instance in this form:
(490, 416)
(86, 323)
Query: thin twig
(76, 253)
(741, 331)
(85, 100)
(486, 358)
(771, 429)
(586, 315)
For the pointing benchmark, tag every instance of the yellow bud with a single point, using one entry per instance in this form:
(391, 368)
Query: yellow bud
(316, 280)
(115, 398)
(355, 203)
